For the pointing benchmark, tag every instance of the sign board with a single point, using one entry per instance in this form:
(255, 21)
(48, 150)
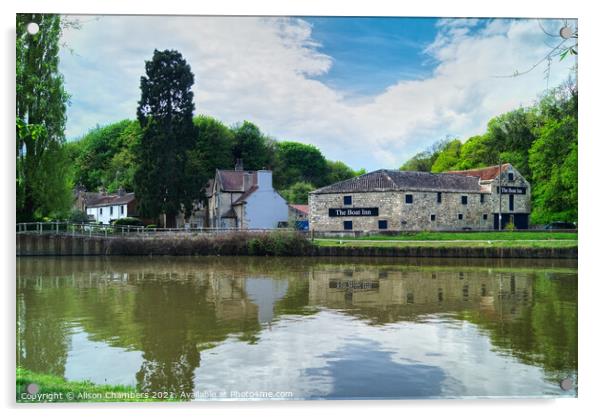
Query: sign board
(512, 190)
(353, 211)
(352, 285)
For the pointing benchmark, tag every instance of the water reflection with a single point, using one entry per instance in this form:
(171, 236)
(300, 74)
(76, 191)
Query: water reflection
(319, 328)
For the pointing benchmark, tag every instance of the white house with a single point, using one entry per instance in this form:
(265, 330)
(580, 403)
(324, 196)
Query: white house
(106, 207)
(245, 200)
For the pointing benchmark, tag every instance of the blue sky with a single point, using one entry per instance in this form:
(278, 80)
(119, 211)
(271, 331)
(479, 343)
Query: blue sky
(368, 91)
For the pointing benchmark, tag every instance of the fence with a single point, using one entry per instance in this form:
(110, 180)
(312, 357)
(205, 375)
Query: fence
(94, 229)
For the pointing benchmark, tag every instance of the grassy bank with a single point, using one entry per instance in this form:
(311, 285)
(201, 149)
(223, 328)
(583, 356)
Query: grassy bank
(449, 244)
(51, 388)
(446, 236)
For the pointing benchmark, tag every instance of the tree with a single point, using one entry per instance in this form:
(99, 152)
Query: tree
(298, 162)
(164, 181)
(252, 147)
(298, 193)
(42, 187)
(338, 171)
(105, 156)
(448, 157)
(214, 143)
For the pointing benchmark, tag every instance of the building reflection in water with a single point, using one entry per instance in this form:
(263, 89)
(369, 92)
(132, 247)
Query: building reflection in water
(172, 310)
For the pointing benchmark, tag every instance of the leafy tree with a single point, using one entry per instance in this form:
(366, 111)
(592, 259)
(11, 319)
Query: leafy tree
(105, 156)
(164, 180)
(338, 171)
(298, 192)
(42, 187)
(424, 161)
(298, 162)
(252, 147)
(214, 144)
(449, 157)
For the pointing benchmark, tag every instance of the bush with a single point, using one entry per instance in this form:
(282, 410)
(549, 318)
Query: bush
(151, 226)
(128, 221)
(78, 216)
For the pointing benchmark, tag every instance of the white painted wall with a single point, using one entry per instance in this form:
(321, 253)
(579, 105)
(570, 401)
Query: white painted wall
(264, 209)
(103, 214)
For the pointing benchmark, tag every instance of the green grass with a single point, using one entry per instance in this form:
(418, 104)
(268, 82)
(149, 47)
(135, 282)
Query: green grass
(438, 236)
(447, 244)
(52, 388)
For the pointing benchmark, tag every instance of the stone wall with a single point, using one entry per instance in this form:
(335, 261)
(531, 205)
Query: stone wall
(416, 216)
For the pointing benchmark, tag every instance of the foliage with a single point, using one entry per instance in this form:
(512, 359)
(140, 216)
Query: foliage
(168, 175)
(128, 221)
(42, 188)
(540, 141)
(253, 147)
(339, 171)
(78, 216)
(297, 162)
(298, 193)
(105, 156)
(214, 145)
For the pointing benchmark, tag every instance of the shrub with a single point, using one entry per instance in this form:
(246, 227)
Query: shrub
(128, 221)
(78, 216)
(151, 226)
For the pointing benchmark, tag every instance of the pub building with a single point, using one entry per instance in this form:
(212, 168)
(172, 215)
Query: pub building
(393, 200)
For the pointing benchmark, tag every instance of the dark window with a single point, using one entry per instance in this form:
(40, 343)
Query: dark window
(460, 216)
(511, 176)
(348, 225)
(347, 200)
(101, 211)
(410, 298)
(433, 217)
(122, 209)
(484, 217)
(409, 199)
(111, 210)
(438, 197)
(482, 198)
(464, 199)
(511, 202)
(382, 224)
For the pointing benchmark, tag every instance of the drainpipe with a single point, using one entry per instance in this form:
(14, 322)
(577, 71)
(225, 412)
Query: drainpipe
(500, 197)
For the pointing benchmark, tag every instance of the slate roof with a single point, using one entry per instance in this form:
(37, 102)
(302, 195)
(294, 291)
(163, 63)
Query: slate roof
(393, 180)
(243, 198)
(233, 181)
(485, 174)
(101, 200)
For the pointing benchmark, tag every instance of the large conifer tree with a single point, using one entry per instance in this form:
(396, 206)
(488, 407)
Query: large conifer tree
(164, 181)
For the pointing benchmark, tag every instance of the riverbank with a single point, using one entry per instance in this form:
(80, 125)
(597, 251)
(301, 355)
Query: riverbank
(285, 244)
(33, 387)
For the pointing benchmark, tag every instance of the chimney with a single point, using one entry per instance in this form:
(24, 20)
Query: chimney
(247, 180)
(120, 191)
(238, 166)
(264, 180)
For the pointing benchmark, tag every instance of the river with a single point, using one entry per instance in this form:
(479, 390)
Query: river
(302, 328)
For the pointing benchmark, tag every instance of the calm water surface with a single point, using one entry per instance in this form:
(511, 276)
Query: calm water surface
(223, 328)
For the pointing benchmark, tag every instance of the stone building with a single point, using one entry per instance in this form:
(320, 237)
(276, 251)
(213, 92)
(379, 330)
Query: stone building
(393, 200)
(245, 200)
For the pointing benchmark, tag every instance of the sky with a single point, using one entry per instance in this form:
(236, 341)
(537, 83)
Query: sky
(370, 92)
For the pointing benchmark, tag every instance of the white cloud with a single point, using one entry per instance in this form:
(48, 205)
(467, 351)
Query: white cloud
(260, 69)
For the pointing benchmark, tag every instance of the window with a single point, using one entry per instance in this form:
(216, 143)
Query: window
(111, 211)
(382, 224)
(511, 202)
(433, 217)
(409, 198)
(122, 209)
(482, 198)
(101, 211)
(484, 217)
(460, 216)
(347, 200)
(438, 197)
(464, 199)
(348, 225)
(511, 176)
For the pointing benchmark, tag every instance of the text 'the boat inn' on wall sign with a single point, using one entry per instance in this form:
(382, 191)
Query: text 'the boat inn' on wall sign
(355, 211)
